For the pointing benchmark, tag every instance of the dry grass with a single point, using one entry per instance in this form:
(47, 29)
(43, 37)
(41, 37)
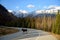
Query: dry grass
(55, 35)
(5, 31)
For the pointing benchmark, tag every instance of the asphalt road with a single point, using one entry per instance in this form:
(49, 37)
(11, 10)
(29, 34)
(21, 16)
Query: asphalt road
(31, 34)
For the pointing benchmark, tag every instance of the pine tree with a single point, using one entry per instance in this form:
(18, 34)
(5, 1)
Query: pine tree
(57, 25)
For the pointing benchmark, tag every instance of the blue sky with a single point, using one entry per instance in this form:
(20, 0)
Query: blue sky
(29, 5)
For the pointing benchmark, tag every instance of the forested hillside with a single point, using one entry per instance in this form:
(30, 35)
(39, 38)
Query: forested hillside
(5, 16)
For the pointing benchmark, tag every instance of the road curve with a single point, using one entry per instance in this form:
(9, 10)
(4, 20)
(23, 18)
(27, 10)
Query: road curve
(31, 34)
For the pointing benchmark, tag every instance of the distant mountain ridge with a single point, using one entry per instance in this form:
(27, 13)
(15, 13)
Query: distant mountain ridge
(32, 14)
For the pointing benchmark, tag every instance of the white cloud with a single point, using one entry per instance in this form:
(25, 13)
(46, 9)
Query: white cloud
(54, 7)
(30, 6)
(9, 10)
(23, 11)
(58, 7)
(51, 9)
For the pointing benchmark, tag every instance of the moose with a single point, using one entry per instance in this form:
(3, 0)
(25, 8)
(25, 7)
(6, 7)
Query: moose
(24, 30)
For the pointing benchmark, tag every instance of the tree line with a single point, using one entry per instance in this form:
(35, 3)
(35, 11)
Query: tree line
(51, 24)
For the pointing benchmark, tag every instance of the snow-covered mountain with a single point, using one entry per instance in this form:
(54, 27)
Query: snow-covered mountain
(23, 13)
(19, 13)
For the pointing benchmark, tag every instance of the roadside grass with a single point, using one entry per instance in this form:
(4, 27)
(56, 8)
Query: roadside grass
(6, 30)
(55, 35)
